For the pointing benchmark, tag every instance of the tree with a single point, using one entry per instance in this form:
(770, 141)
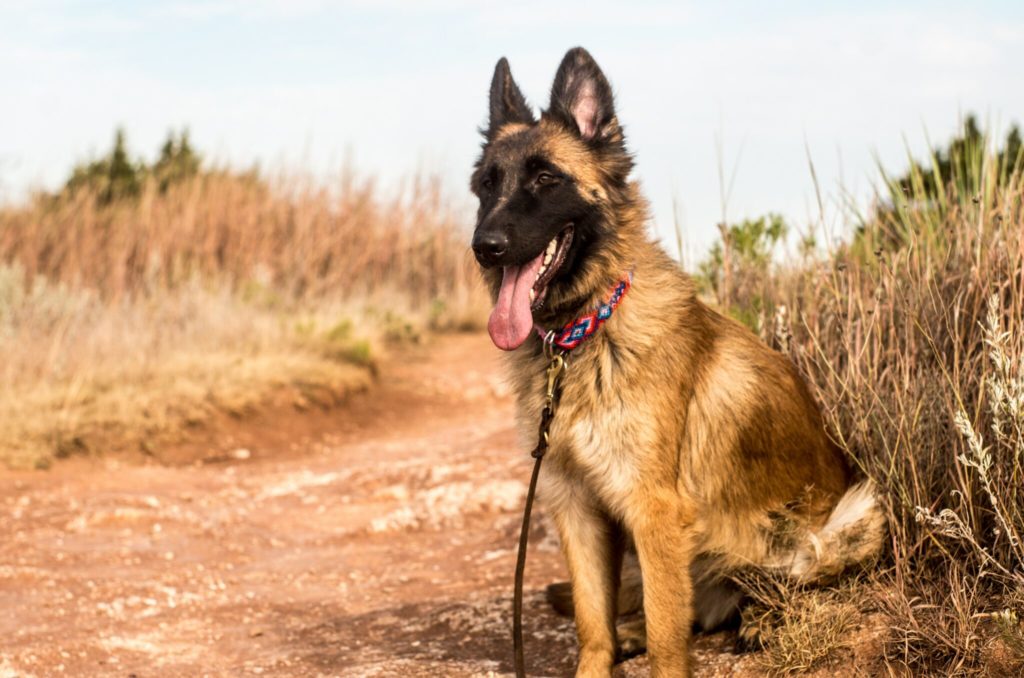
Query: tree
(113, 177)
(177, 161)
(116, 176)
(957, 163)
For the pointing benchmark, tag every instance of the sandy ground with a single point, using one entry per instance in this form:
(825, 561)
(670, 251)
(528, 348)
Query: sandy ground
(377, 539)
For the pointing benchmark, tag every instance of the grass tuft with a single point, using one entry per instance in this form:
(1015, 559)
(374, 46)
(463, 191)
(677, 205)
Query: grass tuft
(912, 336)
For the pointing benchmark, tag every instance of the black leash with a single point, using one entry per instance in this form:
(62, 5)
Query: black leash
(554, 373)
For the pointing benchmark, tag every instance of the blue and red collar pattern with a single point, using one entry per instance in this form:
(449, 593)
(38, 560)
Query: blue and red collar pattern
(579, 330)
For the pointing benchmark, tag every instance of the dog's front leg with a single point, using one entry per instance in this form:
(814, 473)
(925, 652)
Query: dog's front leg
(593, 548)
(662, 531)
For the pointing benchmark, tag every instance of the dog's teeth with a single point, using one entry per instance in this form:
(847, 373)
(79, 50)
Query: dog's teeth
(552, 246)
(533, 295)
(547, 259)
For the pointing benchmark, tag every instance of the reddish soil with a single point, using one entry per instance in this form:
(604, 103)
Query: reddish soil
(375, 539)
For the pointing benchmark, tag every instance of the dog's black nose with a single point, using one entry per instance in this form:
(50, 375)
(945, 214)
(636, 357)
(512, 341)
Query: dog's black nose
(490, 247)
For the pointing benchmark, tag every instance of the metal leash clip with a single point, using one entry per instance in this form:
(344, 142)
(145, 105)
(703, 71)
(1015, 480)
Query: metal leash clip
(556, 366)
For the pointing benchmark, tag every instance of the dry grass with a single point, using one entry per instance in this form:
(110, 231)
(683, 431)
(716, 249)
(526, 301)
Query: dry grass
(292, 240)
(912, 335)
(126, 324)
(800, 630)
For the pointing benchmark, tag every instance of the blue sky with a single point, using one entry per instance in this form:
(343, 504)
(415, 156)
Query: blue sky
(397, 87)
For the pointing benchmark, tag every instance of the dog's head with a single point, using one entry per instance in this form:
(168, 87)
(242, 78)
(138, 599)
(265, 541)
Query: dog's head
(546, 190)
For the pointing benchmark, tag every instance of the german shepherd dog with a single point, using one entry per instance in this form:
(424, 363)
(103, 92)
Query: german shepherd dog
(681, 441)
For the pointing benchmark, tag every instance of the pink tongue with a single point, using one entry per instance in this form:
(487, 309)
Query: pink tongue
(511, 320)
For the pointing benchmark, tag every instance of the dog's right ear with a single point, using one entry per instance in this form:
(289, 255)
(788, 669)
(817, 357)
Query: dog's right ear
(581, 98)
(507, 102)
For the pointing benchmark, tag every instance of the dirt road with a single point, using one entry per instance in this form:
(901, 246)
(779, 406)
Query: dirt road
(375, 539)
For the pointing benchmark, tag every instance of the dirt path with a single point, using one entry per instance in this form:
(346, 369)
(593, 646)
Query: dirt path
(377, 539)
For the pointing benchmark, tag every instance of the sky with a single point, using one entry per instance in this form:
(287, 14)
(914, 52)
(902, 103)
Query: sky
(724, 103)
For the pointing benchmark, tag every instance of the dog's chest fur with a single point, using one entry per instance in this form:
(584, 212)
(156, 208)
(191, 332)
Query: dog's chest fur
(592, 446)
(603, 438)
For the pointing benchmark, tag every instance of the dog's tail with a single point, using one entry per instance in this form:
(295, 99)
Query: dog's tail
(853, 534)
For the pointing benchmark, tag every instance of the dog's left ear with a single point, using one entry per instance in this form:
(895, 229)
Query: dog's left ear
(581, 98)
(507, 103)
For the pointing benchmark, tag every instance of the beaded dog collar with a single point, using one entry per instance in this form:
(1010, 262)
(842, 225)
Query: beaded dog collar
(579, 330)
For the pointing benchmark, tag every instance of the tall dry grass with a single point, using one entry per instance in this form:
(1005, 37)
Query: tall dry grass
(125, 323)
(301, 239)
(912, 335)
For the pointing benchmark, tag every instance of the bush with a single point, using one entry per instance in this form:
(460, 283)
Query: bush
(736, 270)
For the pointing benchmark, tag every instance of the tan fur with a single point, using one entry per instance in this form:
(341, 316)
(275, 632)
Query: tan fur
(566, 150)
(509, 130)
(678, 432)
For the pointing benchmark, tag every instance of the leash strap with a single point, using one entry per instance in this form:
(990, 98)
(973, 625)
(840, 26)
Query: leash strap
(554, 374)
(557, 344)
(517, 600)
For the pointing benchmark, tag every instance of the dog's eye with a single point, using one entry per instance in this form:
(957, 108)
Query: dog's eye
(487, 183)
(545, 178)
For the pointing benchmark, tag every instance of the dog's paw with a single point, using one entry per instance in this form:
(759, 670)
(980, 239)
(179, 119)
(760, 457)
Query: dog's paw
(559, 596)
(749, 637)
(632, 635)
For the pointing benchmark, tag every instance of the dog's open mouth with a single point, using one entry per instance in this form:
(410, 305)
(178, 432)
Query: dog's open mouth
(554, 257)
(523, 290)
